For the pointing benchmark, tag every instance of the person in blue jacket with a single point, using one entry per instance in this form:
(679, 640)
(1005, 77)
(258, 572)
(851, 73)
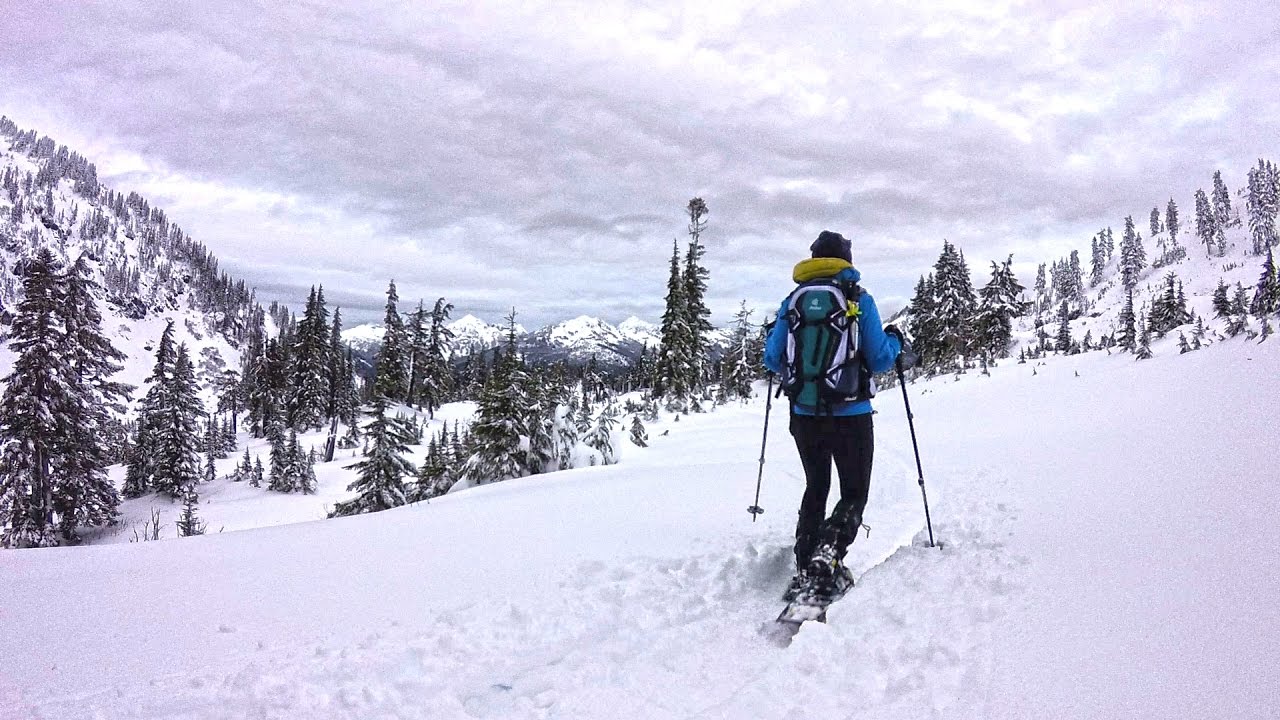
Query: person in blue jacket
(841, 432)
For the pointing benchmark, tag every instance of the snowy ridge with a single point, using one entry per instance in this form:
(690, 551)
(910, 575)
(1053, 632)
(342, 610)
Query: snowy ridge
(149, 270)
(575, 341)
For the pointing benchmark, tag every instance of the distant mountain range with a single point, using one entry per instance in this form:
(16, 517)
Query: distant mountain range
(574, 341)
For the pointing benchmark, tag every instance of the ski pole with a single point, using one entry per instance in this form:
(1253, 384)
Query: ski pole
(902, 380)
(755, 508)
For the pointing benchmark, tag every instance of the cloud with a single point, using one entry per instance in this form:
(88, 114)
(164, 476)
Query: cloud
(541, 155)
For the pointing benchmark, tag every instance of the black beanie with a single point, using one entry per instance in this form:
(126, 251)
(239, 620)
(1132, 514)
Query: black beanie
(832, 245)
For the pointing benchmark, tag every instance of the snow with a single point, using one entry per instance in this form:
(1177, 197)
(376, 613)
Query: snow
(1103, 525)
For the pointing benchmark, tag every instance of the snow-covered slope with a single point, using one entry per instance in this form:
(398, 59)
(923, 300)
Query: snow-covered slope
(1103, 522)
(150, 271)
(1198, 272)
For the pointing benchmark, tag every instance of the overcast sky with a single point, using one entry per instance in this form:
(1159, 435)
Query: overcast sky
(541, 154)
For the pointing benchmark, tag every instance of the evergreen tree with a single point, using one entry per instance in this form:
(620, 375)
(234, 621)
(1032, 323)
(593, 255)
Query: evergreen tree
(1133, 258)
(1064, 329)
(340, 384)
(1169, 309)
(1221, 206)
(281, 477)
(381, 473)
(921, 325)
(1144, 344)
(434, 475)
(244, 470)
(601, 436)
(83, 495)
(257, 479)
(738, 367)
(1183, 346)
(138, 479)
(1263, 204)
(1221, 300)
(1127, 334)
(954, 305)
(438, 378)
(418, 341)
(1155, 222)
(1206, 222)
(1000, 303)
(1266, 296)
(391, 379)
(307, 477)
(1041, 290)
(309, 376)
(1108, 242)
(697, 315)
(1171, 221)
(177, 437)
(38, 393)
(1098, 262)
(189, 523)
(501, 417)
(638, 435)
(674, 348)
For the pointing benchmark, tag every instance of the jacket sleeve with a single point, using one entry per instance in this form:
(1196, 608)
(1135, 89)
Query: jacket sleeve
(880, 350)
(776, 344)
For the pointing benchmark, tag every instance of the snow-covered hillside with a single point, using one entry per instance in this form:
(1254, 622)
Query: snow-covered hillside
(1103, 522)
(150, 271)
(1198, 273)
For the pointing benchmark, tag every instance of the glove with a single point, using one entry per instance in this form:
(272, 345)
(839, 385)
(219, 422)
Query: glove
(907, 358)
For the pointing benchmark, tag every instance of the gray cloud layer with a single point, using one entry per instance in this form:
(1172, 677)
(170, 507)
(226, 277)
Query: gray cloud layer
(540, 154)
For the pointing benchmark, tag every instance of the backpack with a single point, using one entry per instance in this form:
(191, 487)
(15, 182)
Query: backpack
(823, 363)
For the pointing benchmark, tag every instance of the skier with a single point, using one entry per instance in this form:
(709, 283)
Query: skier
(838, 426)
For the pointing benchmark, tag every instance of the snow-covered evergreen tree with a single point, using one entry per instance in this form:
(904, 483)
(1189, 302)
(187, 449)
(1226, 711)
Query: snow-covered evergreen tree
(392, 377)
(1143, 351)
(1000, 302)
(1127, 334)
(601, 436)
(416, 352)
(176, 425)
(38, 394)
(189, 522)
(1098, 262)
(671, 381)
(1266, 295)
(1206, 222)
(309, 376)
(954, 305)
(1169, 309)
(1262, 205)
(738, 366)
(83, 495)
(639, 436)
(1221, 206)
(382, 472)
(437, 375)
(697, 314)
(1133, 258)
(1064, 329)
(498, 451)
(1171, 221)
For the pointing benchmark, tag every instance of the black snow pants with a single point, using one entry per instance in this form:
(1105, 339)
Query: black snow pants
(848, 441)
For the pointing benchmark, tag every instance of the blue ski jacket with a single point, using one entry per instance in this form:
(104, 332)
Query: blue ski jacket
(879, 350)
